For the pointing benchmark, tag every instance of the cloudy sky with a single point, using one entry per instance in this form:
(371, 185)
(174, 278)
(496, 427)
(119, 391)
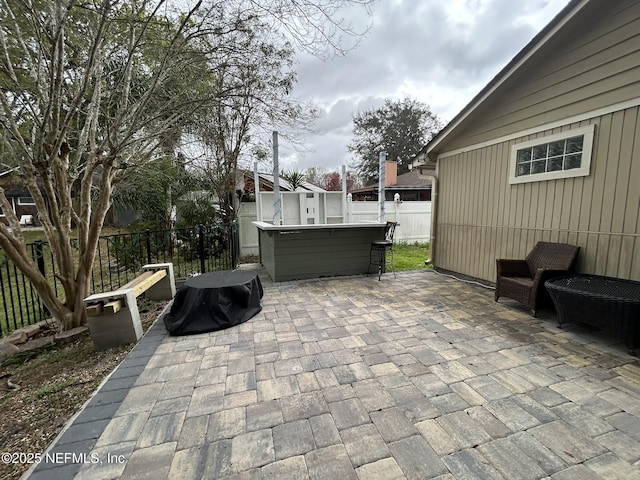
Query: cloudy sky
(440, 52)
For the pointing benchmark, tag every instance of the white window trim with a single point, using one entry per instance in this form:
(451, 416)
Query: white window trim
(583, 171)
(20, 202)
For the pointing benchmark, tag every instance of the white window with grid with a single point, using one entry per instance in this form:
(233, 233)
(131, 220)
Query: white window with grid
(562, 155)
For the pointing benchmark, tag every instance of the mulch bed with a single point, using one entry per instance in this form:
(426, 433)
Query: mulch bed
(53, 383)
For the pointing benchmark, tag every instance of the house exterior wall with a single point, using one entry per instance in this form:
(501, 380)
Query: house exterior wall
(482, 217)
(588, 72)
(591, 64)
(22, 211)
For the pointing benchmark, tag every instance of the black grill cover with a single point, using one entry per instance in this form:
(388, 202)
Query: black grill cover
(214, 301)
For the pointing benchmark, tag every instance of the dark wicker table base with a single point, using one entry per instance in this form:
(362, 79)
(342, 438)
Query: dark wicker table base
(607, 302)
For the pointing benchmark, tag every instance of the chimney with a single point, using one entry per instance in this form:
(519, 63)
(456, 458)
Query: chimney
(391, 173)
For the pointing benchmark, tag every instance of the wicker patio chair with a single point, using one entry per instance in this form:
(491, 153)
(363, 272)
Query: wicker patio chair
(523, 280)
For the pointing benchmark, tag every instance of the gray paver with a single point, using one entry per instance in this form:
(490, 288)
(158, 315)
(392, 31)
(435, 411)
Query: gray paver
(305, 405)
(621, 444)
(123, 429)
(151, 462)
(226, 424)
(494, 427)
(393, 424)
(292, 468)
(113, 461)
(385, 469)
(582, 420)
(430, 385)
(488, 388)
(325, 432)
(251, 450)
(468, 394)
(416, 458)
(510, 461)
(449, 403)
(373, 396)
(140, 399)
(626, 423)
(576, 471)
(567, 442)
(205, 400)
(543, 456)
(293, 438)
(340, 378)
(193, 433)
(470, 464)
(536, 409)
(437, 437)
(161, 429)
(512, 415)
(364, 444)
(209, 461)
(465, 431)
(263, 415)
(349, 413)
(330, 463)
(547, 397)
(610, 466)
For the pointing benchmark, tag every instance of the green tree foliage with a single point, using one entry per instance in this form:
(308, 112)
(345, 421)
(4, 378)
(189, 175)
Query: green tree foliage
(251, 98)
(329, 180)
(88, 92)
(400, 128)
(92, 92)
(149, 189)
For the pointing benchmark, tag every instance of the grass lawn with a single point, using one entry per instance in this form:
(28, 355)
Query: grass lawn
(410, 256)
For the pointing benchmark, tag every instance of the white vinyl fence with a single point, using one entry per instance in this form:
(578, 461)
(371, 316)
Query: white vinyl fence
(303, 208)
(414, 218)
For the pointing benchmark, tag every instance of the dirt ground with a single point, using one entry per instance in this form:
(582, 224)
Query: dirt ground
(53, 385)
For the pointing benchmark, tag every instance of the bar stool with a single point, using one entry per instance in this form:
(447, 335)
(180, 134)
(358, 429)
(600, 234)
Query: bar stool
(379, 249)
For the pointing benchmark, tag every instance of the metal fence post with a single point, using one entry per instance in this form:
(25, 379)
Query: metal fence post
(38, 253)
(148, 239)
(201, 247)
(235, 243)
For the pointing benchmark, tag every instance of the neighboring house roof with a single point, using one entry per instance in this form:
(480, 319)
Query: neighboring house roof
(11, 185)
(406, 181)
(286, 186)
(565, 15)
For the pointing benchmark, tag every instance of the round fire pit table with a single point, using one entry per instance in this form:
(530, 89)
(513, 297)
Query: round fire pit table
(608, 302)
(214, 301)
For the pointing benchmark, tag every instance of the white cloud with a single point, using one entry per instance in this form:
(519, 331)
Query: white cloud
(441, 53)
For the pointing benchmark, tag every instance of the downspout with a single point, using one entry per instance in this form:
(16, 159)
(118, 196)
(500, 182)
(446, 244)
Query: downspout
(434, 222)
(434, 211)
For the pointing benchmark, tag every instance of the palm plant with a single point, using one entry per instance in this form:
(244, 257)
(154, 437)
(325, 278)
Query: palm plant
(296, 179)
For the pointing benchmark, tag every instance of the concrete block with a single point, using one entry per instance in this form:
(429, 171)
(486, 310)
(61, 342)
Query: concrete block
(165, 289)
(120, 328)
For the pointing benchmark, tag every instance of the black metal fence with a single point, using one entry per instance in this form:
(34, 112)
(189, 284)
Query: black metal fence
(119, 258)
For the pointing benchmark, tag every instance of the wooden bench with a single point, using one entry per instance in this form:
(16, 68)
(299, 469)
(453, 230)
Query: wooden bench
(113, 317)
